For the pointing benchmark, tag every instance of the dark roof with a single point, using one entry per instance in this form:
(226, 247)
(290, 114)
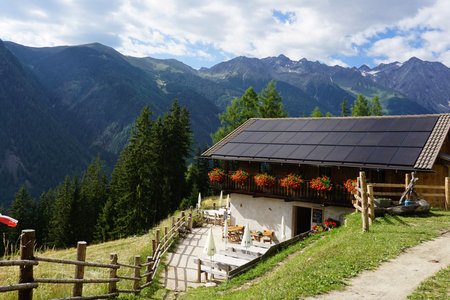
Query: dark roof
(393, 142)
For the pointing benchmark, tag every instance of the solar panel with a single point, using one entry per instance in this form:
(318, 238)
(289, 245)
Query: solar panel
(381, 124)
(225, 149)
(320, 153)
(415, 139)
(314, 138)
(405, 156)
(313, 125)
(284, 137)
(255, 137)
(392, 139)
(269, 125)
(381, 155)
(301, 152)
(268, 137)
(269, 151)
(345, 124)
(254, 149)
(359, 154)
(242, 137)
(364, 125)
(403, 124)
(339, 153)
(239, 150)
(297, 125)
(329, 125)
(424, 124)
(285, 151)
(372, 139)
(256, 125)
(282, 125)
(299, 138)
(333, 138)
(352, 138)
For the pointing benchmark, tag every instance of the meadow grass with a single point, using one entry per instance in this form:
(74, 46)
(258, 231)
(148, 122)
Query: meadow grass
(435, 287)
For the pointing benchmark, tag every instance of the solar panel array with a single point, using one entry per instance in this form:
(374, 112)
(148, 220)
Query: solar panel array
(392, 141)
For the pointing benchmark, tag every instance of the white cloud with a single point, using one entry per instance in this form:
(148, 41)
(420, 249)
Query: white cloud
(208, 30)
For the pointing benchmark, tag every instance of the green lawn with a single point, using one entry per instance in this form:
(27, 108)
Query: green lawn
(323, 262)
(435, 287)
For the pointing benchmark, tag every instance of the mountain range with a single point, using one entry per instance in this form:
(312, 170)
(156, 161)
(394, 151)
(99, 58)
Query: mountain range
(62, 106)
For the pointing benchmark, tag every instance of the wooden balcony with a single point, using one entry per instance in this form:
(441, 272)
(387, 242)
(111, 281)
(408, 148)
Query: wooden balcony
(338, 196)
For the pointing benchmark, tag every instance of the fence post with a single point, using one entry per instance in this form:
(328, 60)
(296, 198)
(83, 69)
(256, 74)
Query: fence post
(158, 235)
(137, 274)
(149, 269)
(154, 248)
(365, 219)
(113, 274)
(27, 239)
(190, 222)
(371, 204)
(173, 222)
(79, 270)
(447, 194)
(199, 270)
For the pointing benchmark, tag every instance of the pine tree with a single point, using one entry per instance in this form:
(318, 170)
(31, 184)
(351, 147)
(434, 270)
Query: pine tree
(93, 194)
(345, 112)
(23, 209)
(240, 110)
(328, 114)
(60, 230)
(44, 215)
(316, 113)
(271, 103)
(375, 107)
(360, 107)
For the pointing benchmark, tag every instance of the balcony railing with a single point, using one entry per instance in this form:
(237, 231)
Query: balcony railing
(337, 196)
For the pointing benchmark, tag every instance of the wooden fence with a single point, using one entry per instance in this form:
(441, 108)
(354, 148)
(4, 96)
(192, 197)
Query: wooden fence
(141, 270)
(365, 195)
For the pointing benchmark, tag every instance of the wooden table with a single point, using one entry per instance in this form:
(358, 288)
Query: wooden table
(235, 233)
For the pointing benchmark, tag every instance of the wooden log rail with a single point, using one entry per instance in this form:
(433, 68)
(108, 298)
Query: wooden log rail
(28, 260)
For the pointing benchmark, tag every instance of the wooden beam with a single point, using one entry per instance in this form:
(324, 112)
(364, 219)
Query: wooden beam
(447, 194)
(27, 240)
(371, 204)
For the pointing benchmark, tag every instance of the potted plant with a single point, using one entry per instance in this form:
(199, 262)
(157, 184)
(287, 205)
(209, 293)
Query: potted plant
(264, 180)
(321, 183)
(350, 185)
(330, 223)
(216, 175)
(239, 176)
(291, 181)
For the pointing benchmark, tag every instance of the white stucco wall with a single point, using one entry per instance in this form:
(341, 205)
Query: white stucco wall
(265, 213)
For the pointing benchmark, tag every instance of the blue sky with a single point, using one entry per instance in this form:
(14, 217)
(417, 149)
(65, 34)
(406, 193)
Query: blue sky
(204, 33)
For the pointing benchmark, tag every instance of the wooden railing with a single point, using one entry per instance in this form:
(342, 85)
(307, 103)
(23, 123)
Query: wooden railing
(337, 196)
(28, 261)
(364, 198)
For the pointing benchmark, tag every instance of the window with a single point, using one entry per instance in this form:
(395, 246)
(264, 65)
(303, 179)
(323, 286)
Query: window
(265, 167)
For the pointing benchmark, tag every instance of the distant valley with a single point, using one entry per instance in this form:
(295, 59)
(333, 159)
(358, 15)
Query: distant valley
(62, 106)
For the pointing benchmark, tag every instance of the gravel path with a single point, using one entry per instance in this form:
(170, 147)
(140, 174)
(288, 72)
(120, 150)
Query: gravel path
(398, 278)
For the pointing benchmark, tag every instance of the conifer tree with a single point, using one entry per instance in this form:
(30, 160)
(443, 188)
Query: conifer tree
(60, 231)
(360, 107)
(23, 209)
(240, 110)
(271, 103)
(375, 107)
(316, 113)
(345, 112)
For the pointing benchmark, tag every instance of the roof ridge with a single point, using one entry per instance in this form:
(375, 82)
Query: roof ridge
(357, 117)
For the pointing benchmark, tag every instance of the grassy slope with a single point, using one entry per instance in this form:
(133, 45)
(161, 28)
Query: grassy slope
(125, 248)
(325, 263)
